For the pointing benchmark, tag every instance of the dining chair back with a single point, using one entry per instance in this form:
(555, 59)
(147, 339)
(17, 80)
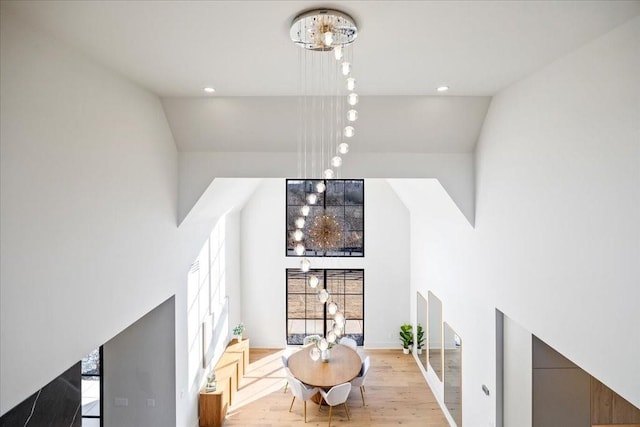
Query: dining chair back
(285, 363)
(349, 342)
(311, 338)
(337, 395)
(362, 376)
(300, 391)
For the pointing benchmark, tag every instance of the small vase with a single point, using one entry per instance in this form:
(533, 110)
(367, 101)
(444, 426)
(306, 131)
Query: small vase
(239, 338)
(324, 356)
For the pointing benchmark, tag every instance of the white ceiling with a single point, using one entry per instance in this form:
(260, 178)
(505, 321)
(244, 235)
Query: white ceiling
(175, 48)
(405, 49)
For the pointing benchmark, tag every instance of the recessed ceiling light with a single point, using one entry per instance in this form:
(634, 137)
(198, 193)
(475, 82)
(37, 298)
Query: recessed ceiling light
(209, 89)
(443, 88)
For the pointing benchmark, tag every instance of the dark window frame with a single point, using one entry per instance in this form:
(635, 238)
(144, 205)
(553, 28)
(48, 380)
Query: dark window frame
(101, 375)
(326, 316)
(343, 252)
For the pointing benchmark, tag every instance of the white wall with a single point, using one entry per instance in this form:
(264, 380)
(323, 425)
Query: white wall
(139, 364)
(88, 208)
(518, 370)
(559, 197)
(556, 242)
(453, 170)
(386, 265)
(215, 288)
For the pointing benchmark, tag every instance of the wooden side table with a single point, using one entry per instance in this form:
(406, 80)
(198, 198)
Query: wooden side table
(235, 347)
(212, 408)
(229, 369)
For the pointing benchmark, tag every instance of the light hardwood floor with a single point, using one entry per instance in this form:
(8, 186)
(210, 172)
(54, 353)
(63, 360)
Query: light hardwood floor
(396, 393)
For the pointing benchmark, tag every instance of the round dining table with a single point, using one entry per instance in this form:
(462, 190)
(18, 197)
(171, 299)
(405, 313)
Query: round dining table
(344, 365)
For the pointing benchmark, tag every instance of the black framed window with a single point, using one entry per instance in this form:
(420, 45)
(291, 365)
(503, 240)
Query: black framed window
(92, 389)
(343, 199)
(306, 315)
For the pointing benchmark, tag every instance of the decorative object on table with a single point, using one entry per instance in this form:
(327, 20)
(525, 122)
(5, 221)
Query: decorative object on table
(212, 384)
(419, 338)
(238, 330)
(321, 346)
(406, 337)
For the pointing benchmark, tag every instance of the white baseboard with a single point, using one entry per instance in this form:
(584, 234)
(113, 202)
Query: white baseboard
(382, 345)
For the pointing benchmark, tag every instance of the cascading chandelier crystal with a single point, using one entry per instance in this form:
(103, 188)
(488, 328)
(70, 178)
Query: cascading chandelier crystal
(327, 117)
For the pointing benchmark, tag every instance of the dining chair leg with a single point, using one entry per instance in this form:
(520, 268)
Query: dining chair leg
(330, 408)
(320, 405)
(362, 394)
(347, 411)
(305, 411)
(286, 384)
(294, 399)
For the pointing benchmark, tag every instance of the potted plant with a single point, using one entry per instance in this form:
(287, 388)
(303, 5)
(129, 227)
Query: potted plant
(238, 330)
(420, 338)
(406, 337)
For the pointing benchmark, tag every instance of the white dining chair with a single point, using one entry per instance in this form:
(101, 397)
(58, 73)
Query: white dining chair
(349, 342)
(285, 363)
(300, 390)
(311, 338)
(337, 395)
(362, 376)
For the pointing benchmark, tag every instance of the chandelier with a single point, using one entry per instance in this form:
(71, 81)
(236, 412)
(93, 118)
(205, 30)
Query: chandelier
(327, 115)
(326, 232)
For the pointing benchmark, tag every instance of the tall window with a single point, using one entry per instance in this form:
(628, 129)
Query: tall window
(92, 389)
(207, 302)
(306, 315)
(343, 199)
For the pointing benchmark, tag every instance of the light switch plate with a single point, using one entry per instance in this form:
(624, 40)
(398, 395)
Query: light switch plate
(121, 401)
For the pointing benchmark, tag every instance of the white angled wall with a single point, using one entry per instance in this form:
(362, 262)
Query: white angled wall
(88, 208)
(386, 265)
(556, 243)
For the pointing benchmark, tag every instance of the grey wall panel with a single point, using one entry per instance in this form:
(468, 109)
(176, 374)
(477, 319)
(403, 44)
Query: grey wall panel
(546, 357)
(561, 398)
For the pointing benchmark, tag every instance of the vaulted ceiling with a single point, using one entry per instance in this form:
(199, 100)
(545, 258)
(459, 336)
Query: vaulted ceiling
(405, 49)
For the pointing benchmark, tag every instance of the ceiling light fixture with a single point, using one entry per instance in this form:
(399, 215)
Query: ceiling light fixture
(442, 88)
(326, 123)
(209, 89)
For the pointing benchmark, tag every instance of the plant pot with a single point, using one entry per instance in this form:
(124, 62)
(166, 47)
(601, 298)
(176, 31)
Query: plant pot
(324, 356)
(239, 337)
(419, 351)
(405, 350)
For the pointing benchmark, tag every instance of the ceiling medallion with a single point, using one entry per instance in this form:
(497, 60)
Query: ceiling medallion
(323, 29)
